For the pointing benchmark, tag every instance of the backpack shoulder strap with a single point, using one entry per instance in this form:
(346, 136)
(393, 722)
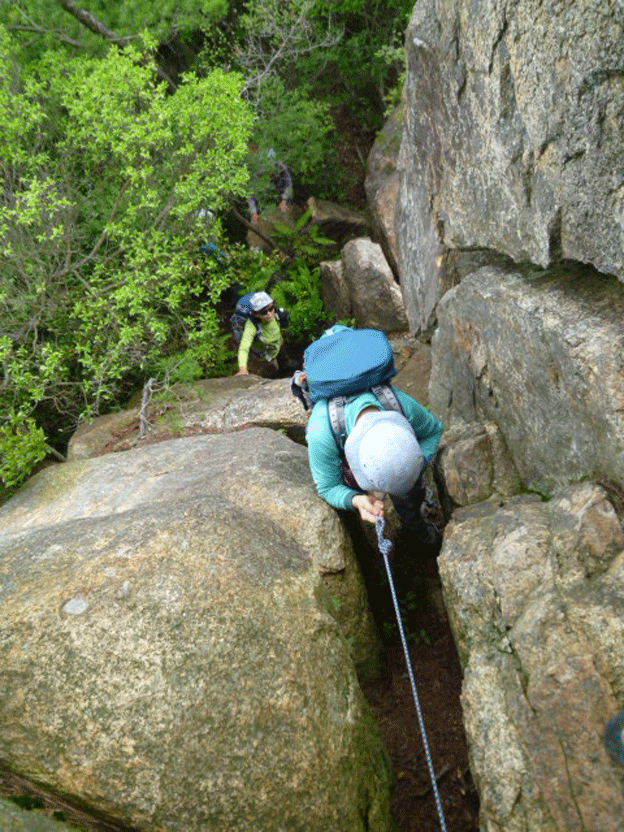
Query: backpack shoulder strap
(388, 398)
(335, 412)
(336, 405)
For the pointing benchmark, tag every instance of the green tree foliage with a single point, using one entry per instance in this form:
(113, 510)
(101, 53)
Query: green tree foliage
(45, 23)
(292, 275)
(103, 178)
(372, 42)
(113, 140)
(301, 132)
(266, 42)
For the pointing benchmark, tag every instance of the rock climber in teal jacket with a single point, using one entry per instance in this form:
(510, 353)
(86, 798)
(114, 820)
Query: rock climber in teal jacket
(386, 451)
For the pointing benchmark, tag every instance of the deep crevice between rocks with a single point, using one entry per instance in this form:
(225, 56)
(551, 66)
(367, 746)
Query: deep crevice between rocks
(437, 675)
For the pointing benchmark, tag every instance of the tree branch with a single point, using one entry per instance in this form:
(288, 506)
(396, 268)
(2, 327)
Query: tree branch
(39, 30)
(96, 26)
(98, 243)
(255, 229)
(33, 27)
(92, 23)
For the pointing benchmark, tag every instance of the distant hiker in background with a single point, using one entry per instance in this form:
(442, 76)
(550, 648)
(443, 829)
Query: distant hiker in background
(365, 436)
(257, 327)
(281, 183)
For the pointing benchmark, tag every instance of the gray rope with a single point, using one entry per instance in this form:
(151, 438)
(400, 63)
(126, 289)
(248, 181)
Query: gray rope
(385, 547)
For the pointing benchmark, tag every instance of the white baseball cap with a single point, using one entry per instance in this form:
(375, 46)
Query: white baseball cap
(383, 452)
(260, 300)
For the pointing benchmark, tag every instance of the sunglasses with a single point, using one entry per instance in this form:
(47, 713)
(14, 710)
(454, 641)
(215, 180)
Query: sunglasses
(266, 310)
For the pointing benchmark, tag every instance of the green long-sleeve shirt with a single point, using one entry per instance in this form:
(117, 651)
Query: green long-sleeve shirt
(271, 340)
(323, 455)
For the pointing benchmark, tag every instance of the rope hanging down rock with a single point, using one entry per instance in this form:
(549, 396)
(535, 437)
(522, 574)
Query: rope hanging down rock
(385, 547)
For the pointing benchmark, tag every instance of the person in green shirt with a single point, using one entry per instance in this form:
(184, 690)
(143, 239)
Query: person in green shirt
(269, 341)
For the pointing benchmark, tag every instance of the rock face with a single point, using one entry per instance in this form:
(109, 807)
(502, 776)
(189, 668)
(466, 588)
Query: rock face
(214, 405)
(376, 297)
(542, 357)
(509, 225)
(535, 593)
(512, 138)
(336, 294)
(527, 375)
(382, 186)
(170, 653)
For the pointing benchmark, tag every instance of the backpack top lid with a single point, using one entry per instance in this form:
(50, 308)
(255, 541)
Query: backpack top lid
(344, 361)
(244, 304)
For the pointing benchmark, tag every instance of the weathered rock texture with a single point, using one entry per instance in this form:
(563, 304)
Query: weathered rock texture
(382, 186)
(335, 221)
(535, 592)
(214, 405)
(376, 297)
(477, 464)
(170, 653)
(335, 289)
(512, 138)
(541, 356)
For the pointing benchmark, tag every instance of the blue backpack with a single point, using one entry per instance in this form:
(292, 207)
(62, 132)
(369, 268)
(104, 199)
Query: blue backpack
(243, 313)
(344, 361)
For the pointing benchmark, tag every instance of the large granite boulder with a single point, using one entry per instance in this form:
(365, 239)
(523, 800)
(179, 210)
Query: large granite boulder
(335, 290)
(541, 356)
(376, 297)
(179, 628)
(535, 592)
(512, 137)
(476, 464)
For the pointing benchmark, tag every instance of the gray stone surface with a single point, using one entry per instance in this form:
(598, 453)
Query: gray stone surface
(534, 592)
(170, 652)
(382, 186)
(541, 356)
(214, 405)
(376, 297)
(476, 464)
(512, 139)
(335, 289)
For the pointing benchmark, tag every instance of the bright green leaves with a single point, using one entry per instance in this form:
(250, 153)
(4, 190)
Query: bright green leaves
(18, 113)
(103, 172)
(211, 124)
(22, 446)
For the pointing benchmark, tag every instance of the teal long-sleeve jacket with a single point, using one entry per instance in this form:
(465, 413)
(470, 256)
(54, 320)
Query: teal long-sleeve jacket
(325, 463)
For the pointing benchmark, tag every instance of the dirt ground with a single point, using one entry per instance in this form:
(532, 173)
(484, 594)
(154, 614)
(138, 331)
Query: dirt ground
(437, 678)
